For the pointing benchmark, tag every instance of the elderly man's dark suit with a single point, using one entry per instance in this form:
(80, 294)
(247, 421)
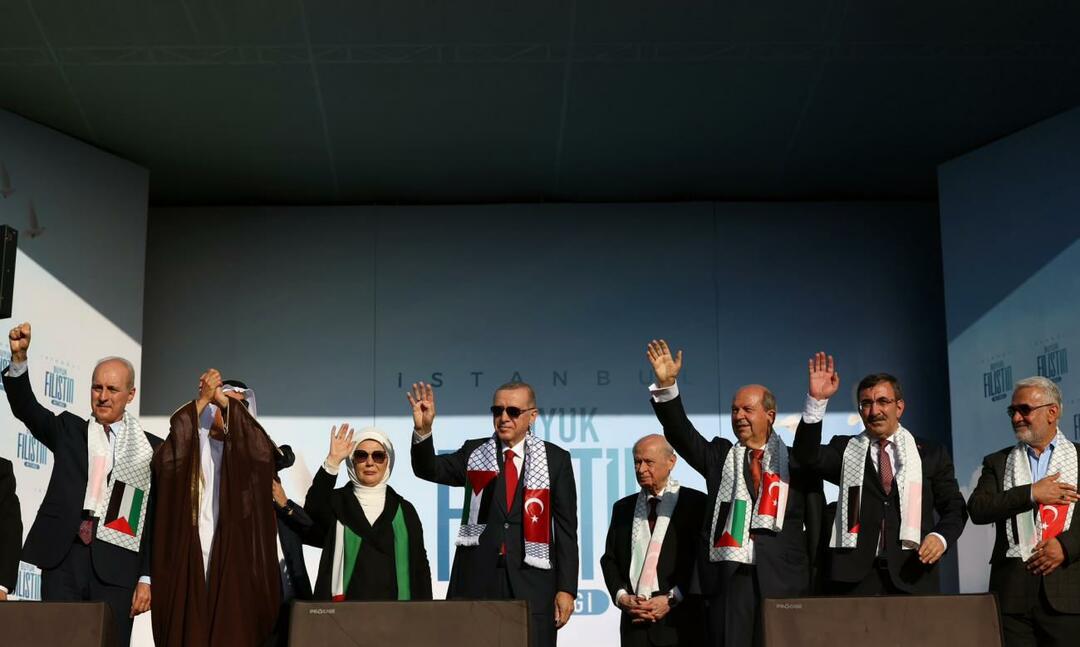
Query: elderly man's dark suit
(52, 543)
(733, 591)
(683, 625)
(1050, 603)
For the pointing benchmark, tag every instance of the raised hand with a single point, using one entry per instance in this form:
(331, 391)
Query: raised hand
(824, 379)
(341, 444)
(210, 387)
(422, 401)
(1050, 491)
(664, 367)
(19, 340)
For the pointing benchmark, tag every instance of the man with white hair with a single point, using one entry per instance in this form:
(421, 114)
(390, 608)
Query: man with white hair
(1028, 491)
(92, 535)
(648, 562)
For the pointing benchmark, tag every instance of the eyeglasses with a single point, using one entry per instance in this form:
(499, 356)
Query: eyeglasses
(881, 402)
(513, 412)
(1024, 409)
(360, 456)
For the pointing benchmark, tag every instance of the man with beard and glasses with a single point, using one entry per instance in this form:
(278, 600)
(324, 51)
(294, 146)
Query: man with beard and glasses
(884, 538)
(93, 533)
(518, 537)
(764, 507)
(1028, 491)
(215, 566)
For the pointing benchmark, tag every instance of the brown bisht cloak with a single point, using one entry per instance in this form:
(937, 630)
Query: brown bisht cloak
(236, 603)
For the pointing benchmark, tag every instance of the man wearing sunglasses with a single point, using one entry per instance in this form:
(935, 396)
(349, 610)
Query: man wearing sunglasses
(884, 537)
(518, 537)
(1028, 491)
(217, 581)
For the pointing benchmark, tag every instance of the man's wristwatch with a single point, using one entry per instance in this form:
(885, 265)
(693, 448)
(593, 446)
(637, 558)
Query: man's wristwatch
(671, 599)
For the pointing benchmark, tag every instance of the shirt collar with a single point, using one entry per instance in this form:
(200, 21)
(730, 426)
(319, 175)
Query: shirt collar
(519, 448)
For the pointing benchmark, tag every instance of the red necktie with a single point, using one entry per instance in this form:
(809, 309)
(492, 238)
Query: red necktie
(755, 468)
(885, 467)
(653, 502)
(511, 478)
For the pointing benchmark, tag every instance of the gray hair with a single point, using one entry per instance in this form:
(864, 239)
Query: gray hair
(128, 365)
(1049, 389)
(666, 446)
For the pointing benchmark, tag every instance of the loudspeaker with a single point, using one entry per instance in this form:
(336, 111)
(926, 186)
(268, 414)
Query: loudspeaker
(894, 620)
(72, 624)
(9, 238)
(442, 623)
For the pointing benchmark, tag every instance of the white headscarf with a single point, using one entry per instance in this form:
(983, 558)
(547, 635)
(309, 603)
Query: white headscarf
(372, 498)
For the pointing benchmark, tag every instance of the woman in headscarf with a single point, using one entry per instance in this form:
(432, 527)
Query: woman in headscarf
(373, 547)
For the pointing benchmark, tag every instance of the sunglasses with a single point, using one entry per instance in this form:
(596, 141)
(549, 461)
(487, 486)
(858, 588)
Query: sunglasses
(361, 456)
(1024, 409)
(513, 412)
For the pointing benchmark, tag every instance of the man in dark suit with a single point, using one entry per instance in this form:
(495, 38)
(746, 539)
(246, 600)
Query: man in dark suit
(91, 535)
(653, 590)
(519, 536)
(884, 538)
(770, 559)
(10, 530)
(293, 526)
(1028, 491)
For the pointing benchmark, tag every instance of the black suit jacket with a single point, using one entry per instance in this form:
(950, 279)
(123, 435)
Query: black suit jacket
(1016, 588)
(940, 493)
(783, 560)
(10, 527)
(294, 525)
(58, 518)
(473, 575)
(683, 625)
(375, 574)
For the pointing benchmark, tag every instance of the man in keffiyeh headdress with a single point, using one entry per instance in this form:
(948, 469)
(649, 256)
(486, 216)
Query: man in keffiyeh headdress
(763, 511)
(884, 537)
(518, 533)
(216, 569)
(92, 536)
(1028, 491)
(648, 560)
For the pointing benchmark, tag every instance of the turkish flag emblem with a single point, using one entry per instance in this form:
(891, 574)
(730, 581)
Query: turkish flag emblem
(537, 512)
(1052, 519)
(769, 503)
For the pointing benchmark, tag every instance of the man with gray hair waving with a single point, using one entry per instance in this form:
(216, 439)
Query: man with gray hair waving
(1028, 491)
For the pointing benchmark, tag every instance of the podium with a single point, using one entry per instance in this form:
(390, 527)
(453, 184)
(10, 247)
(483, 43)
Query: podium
(72, 624)
(442, 623)
(894, 620)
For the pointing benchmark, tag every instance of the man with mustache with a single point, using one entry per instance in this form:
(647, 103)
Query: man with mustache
(1028, 491)
(92, 535)
(763, 509)
(518, 536)
(884, 538)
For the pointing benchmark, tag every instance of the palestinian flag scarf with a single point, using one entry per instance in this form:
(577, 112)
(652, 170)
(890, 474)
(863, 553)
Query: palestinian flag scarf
(347, 546)
(1023, 531)
(733, 496)
(117, 491)
(907, 480)
(482, 469)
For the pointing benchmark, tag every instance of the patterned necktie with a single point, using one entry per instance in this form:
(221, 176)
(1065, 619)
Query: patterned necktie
(511, 478)
(885, 467)
(755, 468)
(653, 502)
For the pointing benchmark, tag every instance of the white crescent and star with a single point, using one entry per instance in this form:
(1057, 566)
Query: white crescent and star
(1053, 509)
(530, 500)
